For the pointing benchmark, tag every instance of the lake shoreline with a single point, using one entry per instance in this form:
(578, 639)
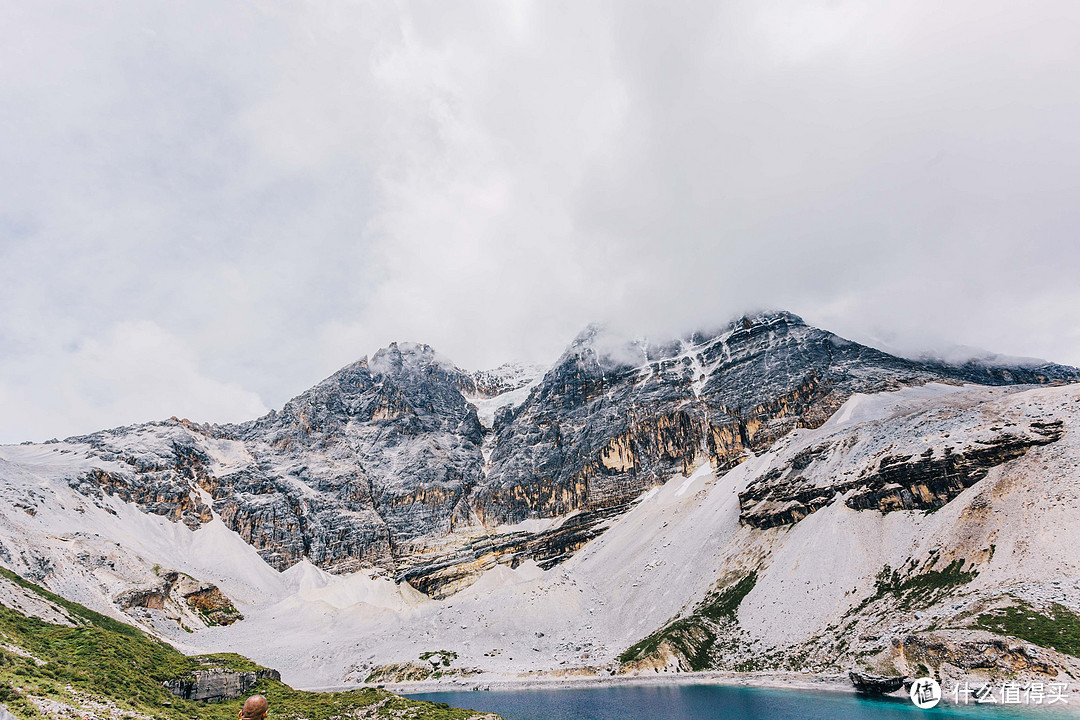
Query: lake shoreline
(771, 680)
(794, 681)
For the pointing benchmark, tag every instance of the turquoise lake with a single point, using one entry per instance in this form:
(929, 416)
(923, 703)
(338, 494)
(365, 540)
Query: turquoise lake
(708, 702)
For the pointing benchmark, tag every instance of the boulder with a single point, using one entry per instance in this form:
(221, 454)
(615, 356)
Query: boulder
(876, 684)
(217, 684)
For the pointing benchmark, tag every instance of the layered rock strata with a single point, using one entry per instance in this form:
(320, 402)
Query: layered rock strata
(387, 464)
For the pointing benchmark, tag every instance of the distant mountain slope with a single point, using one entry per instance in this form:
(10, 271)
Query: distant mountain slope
(387, 463)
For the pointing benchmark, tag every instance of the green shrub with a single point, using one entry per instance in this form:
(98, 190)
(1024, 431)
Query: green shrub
(1058, 628)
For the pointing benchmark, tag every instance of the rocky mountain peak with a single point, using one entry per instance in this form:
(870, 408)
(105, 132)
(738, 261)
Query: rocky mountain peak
(599, 349)
(770, 317)
(407, 358)
(506, 378)
(769, 324)
(603, 348)
(386, 462)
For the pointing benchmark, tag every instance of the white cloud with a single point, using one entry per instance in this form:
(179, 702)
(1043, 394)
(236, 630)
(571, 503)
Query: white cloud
(135, 373)
(284, 188)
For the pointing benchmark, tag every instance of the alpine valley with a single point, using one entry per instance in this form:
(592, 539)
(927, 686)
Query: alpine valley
(763, 497)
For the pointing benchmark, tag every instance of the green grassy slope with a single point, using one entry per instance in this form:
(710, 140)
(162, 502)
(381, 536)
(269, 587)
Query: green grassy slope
(103, 666)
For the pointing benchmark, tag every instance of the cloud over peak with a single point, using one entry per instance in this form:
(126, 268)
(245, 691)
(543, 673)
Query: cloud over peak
(281, 189)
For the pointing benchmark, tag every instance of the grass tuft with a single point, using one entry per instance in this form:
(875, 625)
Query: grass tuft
(693, 637)
(1057, 628)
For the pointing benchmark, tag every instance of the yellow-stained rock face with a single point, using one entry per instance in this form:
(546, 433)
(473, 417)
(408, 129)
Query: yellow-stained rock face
(618, 456)
(179, 595)
(212, 605)
(727, 445)
(972, 650)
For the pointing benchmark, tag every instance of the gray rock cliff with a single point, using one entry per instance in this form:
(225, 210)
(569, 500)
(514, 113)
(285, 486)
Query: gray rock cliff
(386, 463)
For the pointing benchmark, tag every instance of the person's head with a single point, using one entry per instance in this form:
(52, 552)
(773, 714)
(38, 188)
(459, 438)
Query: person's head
(254, 708)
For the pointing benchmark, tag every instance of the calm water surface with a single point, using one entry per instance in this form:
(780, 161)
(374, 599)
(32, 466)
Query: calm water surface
(706, 702)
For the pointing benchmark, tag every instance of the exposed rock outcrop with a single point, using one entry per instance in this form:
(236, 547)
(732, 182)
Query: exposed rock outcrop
(217, 684)
(213, 606)
(973, 650)
(177, 595)
(442, 573)
(923, 481)
(926, 482)
(876, 684)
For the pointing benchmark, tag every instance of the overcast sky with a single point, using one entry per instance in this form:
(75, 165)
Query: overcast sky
(206, 207)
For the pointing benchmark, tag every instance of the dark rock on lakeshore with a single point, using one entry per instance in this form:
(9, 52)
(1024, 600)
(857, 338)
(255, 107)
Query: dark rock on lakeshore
(876, 684)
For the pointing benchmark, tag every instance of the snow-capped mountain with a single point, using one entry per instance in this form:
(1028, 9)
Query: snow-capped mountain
(726, 499)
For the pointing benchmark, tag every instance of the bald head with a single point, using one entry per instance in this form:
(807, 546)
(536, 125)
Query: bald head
(254, 708)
